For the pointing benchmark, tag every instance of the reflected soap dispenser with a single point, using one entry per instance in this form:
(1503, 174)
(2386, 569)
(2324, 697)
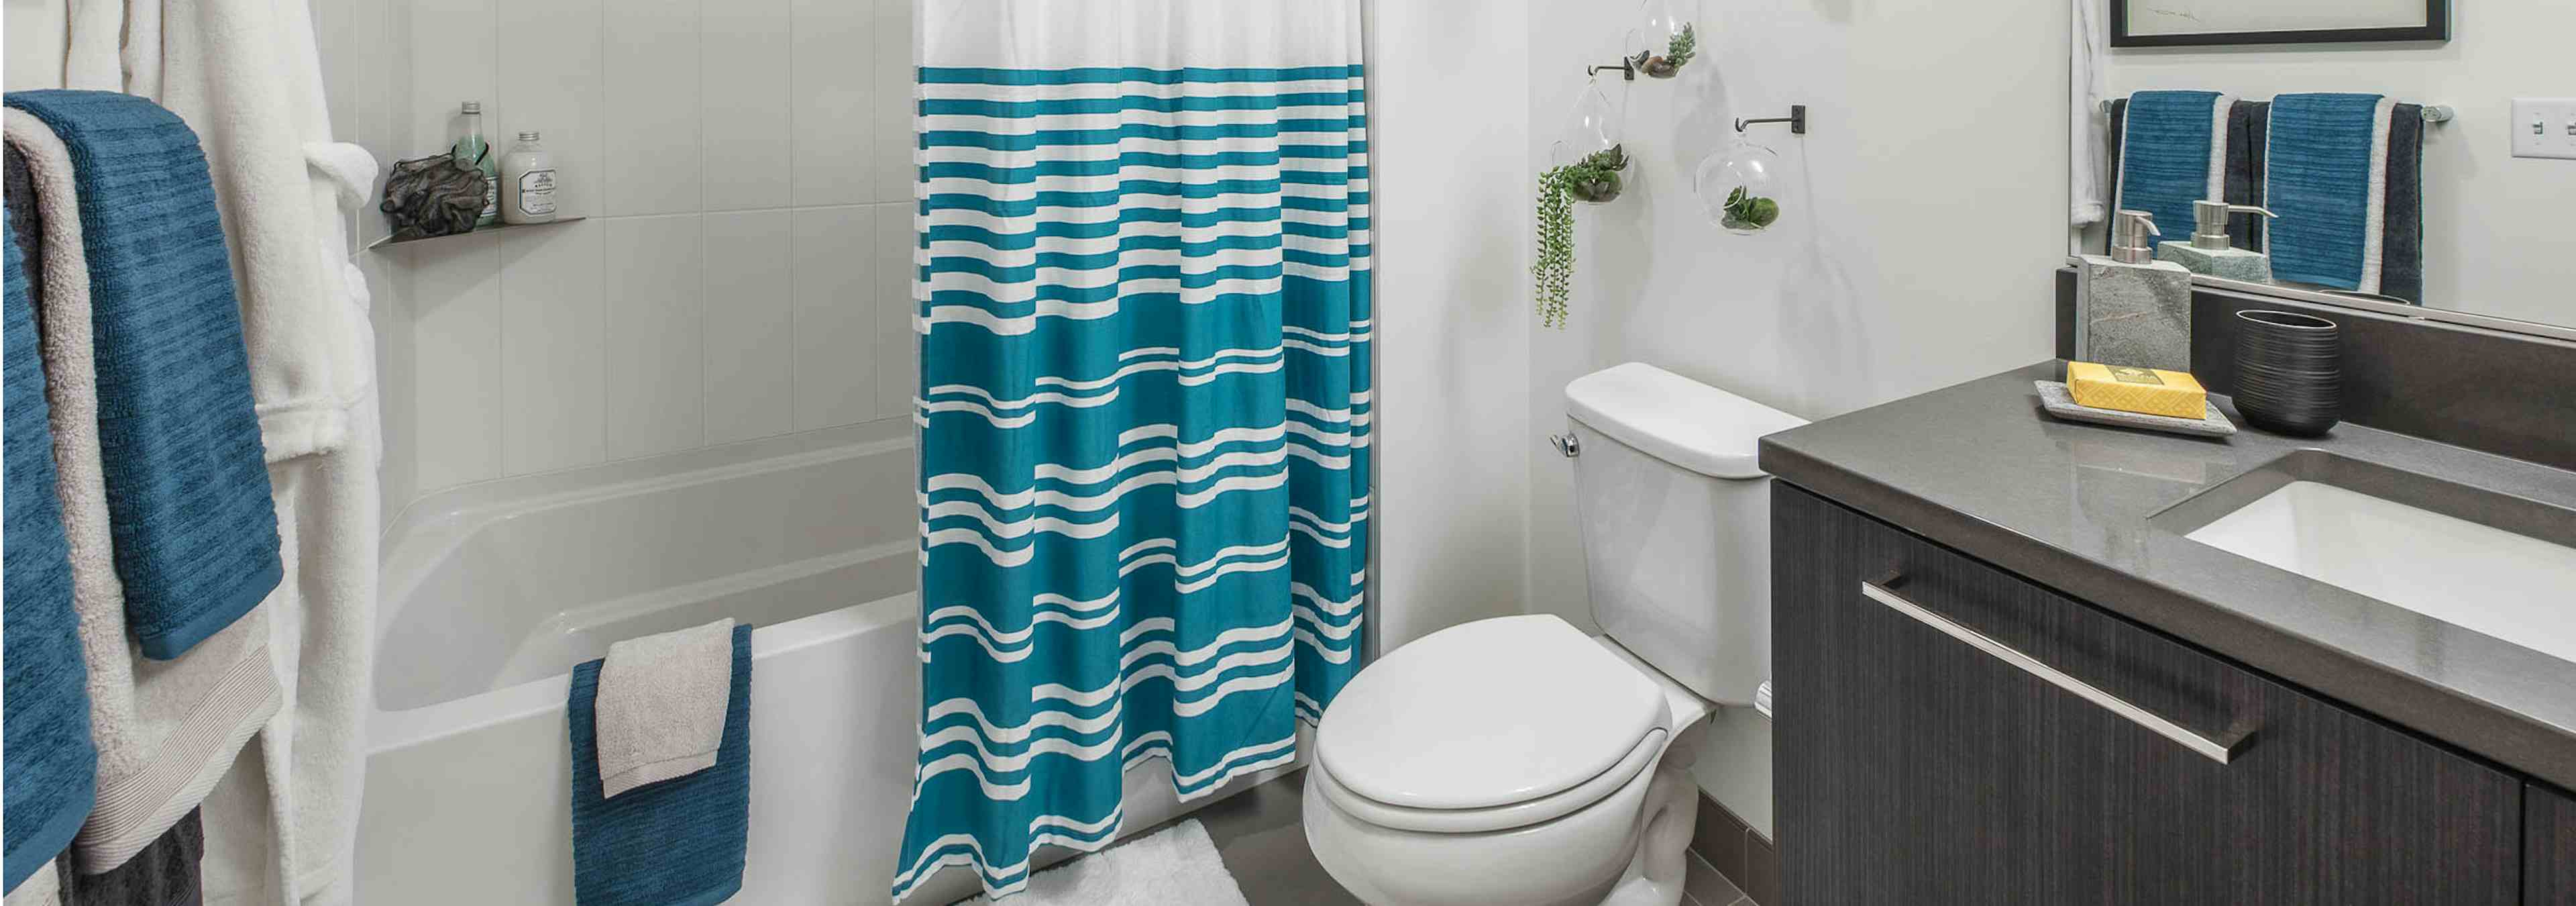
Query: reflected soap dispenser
(2211, 251)
(2135, 310)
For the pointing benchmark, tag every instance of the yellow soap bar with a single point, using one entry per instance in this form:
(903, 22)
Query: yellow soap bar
(2142, 390)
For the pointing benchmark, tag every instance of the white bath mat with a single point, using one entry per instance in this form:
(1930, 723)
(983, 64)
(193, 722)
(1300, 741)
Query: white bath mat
(1177, 866)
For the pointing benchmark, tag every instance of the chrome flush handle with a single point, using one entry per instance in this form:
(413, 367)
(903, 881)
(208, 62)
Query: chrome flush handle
(1566, 445)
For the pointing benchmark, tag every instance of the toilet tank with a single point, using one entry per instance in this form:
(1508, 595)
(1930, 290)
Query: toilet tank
(1676, 521)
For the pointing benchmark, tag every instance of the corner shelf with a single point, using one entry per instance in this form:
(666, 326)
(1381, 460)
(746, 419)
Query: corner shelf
(478, 231)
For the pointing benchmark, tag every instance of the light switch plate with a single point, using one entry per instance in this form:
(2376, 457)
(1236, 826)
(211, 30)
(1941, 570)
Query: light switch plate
(2544, 127)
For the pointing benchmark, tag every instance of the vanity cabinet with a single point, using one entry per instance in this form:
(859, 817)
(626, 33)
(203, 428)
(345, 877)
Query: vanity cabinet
(1926, 756)
(2549, 862)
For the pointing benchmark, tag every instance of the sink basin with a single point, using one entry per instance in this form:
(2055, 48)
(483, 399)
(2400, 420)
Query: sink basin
(2489, 562)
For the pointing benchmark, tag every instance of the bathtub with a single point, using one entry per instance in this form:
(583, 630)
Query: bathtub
(491, 594)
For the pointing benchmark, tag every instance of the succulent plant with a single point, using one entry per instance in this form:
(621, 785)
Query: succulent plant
(1747, 212)
(1677, 54)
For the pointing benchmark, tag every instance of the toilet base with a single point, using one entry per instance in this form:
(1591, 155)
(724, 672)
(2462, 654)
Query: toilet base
(1627, 850)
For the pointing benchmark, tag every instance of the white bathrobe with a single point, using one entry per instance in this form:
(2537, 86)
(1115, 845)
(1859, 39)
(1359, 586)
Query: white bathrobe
(246, 75)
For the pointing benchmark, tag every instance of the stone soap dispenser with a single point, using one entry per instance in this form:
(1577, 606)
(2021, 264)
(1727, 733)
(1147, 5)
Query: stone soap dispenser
(2211, 252)
(2135, 310)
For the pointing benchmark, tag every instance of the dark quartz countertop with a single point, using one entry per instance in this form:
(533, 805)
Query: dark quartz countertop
(1979, 468)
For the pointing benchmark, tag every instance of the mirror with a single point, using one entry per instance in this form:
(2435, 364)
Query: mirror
(2414, 153)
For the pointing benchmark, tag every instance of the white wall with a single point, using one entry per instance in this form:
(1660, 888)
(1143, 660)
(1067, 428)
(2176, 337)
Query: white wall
(747, 168)
(1923, 217)
(1451, 231)
(34, 34)
(2495, 226)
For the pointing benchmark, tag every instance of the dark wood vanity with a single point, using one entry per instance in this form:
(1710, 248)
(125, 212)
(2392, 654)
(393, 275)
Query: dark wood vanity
(2001, 682)
(1920, 769)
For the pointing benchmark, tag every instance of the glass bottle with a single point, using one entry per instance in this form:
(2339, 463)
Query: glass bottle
(473, 152)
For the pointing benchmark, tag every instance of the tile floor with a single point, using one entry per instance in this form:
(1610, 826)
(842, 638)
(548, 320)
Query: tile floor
(1258, 834)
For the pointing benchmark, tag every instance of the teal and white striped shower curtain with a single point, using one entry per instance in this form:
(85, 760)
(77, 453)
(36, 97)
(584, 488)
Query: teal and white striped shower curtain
(1144, 406)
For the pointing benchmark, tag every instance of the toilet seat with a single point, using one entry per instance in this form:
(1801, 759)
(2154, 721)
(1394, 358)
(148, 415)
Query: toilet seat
(1488, 725)
(1522, 814)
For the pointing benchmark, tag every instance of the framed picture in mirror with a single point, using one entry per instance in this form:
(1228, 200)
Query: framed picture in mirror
(2202, 23)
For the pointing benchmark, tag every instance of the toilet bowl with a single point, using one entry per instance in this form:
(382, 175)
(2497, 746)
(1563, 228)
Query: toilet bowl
(1584, 797)
(1516, 761)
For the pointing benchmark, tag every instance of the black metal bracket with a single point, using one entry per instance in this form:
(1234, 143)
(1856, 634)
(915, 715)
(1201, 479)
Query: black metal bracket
(1797, 120)
(1627, 69)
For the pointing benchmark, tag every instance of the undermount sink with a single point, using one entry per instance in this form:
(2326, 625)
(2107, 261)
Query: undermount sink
(2494, 563)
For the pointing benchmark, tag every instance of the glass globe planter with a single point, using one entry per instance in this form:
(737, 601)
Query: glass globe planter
(1665, 44)
(1738, 187)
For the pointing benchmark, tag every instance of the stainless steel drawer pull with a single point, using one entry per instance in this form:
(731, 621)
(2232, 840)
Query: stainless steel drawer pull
(2218, 750)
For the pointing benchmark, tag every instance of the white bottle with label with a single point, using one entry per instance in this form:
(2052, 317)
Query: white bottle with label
(528, 182)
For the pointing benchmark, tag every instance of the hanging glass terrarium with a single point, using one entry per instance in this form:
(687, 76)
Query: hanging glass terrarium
(1587, 162)
(1737, 187)
(1666, 43)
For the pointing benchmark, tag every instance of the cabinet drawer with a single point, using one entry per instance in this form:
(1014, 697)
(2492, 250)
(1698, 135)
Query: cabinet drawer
(1965, 736)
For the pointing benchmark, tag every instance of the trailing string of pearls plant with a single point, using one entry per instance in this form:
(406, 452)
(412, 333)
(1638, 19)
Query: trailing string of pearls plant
(1594, 179)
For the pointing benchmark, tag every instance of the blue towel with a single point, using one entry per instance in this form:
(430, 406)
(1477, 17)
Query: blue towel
(48, 765)
(2317, 176)
(680, 842)
(187, 485)
(2166, 142)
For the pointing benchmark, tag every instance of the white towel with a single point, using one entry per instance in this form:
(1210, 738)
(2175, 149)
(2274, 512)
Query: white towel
(166, 730)
(2091, 143)
(91, 61)
(246, 76)
(661, 706)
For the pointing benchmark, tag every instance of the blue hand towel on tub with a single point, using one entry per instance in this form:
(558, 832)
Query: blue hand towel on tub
(188, 501)
(676, 842)
(2326, 175)
(2173, 151)
(48, 765)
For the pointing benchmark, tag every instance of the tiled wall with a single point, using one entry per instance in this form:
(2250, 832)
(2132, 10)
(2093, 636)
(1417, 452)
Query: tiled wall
(746, 166)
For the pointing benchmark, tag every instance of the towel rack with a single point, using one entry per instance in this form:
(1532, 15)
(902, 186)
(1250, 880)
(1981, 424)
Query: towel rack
(2433, 113)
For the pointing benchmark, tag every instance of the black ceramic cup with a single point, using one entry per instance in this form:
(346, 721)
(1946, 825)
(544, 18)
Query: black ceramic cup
(2289, 372)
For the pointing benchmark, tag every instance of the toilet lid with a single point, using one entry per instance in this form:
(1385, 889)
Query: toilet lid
(1487, 714)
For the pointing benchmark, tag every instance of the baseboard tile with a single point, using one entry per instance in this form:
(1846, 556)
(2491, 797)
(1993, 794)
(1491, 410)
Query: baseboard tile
(1733, 849)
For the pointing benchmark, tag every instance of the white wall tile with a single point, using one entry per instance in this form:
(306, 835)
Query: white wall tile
(551, 72)
(836, 328)
(652, 102)
(553, 349)
(832, 100)
(456, 351)
(745, 60)
(452, 59)
(892, 162)
(654, 339)
(750, 327)
(897, 346)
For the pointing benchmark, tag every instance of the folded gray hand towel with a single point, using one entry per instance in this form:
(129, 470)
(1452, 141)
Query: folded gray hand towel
(662, 705)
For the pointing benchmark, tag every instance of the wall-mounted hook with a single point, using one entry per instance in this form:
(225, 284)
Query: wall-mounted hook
(1627, 69)
(1797, 120)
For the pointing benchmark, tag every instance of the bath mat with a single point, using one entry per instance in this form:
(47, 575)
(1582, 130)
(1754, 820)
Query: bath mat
(1177, 866)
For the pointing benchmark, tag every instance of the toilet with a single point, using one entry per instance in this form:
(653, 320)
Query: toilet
(1517, 762)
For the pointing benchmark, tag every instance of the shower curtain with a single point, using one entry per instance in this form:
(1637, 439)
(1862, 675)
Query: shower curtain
(1143, 300)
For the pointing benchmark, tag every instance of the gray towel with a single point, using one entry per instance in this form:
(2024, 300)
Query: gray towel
(661, 706)
(163, 874)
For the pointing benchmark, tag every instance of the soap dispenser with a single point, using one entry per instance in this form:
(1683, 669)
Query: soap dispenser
(2135, 310)
(2211, 252)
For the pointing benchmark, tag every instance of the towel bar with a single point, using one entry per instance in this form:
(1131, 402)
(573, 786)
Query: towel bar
(2433, 113)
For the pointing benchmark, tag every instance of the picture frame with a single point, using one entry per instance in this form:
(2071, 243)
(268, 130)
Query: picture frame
(2207, 23)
